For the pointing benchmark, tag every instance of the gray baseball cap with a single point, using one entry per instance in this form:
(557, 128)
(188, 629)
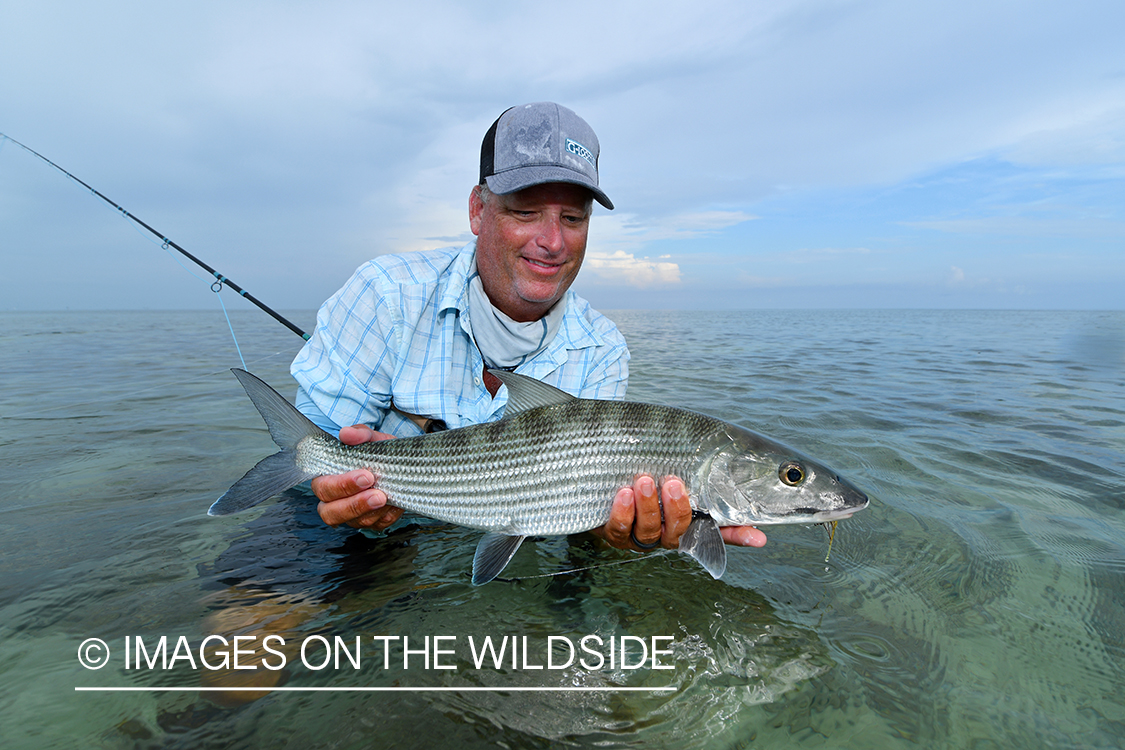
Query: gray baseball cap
(536, 143)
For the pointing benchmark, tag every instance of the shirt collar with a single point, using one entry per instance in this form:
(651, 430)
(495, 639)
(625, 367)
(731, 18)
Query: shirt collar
(576, 332)
(455, 293)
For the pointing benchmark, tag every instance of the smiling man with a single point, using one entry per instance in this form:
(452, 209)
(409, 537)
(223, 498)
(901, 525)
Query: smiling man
(404, 345)
(530, 245)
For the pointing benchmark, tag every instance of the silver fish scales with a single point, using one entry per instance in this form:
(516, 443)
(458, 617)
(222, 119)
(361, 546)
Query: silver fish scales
(553, 465)
(550, 470)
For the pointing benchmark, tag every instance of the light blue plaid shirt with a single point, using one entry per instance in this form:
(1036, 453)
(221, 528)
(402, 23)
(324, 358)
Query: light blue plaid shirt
(398, 331)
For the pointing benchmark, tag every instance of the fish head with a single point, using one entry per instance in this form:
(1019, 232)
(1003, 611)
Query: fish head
(753, 480)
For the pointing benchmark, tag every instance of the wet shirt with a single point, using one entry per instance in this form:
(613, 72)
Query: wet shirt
(399, 332)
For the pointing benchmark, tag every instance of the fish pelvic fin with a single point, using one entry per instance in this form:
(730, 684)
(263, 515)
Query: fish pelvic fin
(273, 474)
(704, 542)
(494, 552)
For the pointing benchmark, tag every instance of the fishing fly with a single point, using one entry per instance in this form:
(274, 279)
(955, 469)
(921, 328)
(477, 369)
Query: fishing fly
(830, 527)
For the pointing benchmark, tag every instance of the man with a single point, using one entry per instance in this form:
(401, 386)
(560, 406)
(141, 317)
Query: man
(405, 343)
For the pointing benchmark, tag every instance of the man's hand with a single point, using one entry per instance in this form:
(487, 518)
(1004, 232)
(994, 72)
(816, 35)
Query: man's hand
(743, 536)
(350, 498)
(635, 522)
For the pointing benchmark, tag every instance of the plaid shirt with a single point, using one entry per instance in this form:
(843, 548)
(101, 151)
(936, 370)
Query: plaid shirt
(398, 331)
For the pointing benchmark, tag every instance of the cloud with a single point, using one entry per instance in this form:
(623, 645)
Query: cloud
(829, 265)
(624, 268)
(1090, 135)
(822, 254)
(616, 240)
(628, 232)
(1026, 226)
(274, 137)
(763, 282)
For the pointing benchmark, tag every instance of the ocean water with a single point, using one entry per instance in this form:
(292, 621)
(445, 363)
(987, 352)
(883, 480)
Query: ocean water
(979, 602)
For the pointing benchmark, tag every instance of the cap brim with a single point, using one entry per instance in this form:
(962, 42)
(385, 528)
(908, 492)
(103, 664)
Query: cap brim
(511, 180)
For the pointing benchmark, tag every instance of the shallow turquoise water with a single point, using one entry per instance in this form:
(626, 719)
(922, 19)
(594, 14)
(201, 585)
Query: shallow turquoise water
(979, 602)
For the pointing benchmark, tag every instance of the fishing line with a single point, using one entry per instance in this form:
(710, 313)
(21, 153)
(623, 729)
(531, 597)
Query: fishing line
(167, 243)
(572, 570)
(216, 287)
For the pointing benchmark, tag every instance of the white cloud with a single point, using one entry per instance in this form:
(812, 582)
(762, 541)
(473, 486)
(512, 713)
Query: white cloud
(762, 282)
(822, 254)
(1026, 226)
(288, 135)
(628, 232)
(617, 239)
(622, 268)
(1092, 133)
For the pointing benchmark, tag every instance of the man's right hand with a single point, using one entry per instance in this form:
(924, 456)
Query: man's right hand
(351, 498)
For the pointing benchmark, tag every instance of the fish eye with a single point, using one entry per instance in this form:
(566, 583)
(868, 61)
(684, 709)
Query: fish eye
(791, 473)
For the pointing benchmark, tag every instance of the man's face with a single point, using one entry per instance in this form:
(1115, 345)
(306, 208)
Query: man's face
(530, 245)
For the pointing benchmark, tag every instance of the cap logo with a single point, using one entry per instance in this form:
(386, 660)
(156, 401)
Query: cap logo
(578, 149)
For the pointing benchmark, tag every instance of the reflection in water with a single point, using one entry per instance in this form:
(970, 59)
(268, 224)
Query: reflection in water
(730, 651)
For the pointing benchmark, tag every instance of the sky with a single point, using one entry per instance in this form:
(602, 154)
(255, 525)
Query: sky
(782, 154)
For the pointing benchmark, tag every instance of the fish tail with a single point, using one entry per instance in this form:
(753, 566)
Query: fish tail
(273, 474)
(287, 425)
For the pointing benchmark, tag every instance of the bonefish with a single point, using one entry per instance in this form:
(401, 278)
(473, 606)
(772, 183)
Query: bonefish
(552, 466)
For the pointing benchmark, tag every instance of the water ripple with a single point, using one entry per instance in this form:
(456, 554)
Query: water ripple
(979, 602)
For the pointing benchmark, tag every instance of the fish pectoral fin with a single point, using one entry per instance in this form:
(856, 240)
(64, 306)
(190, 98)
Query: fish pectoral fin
(703, 541)
(494, 552)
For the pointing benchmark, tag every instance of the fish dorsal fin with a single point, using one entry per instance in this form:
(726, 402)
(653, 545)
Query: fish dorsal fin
(704, 542)
(527, 393)
(494, 552)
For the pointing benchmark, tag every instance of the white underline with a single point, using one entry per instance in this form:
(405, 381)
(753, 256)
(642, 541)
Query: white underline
(372, 689)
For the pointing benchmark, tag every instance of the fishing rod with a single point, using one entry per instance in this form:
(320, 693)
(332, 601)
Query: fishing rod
(220, 279)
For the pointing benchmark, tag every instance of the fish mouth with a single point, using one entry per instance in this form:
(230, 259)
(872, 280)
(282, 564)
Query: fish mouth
(826, 516)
